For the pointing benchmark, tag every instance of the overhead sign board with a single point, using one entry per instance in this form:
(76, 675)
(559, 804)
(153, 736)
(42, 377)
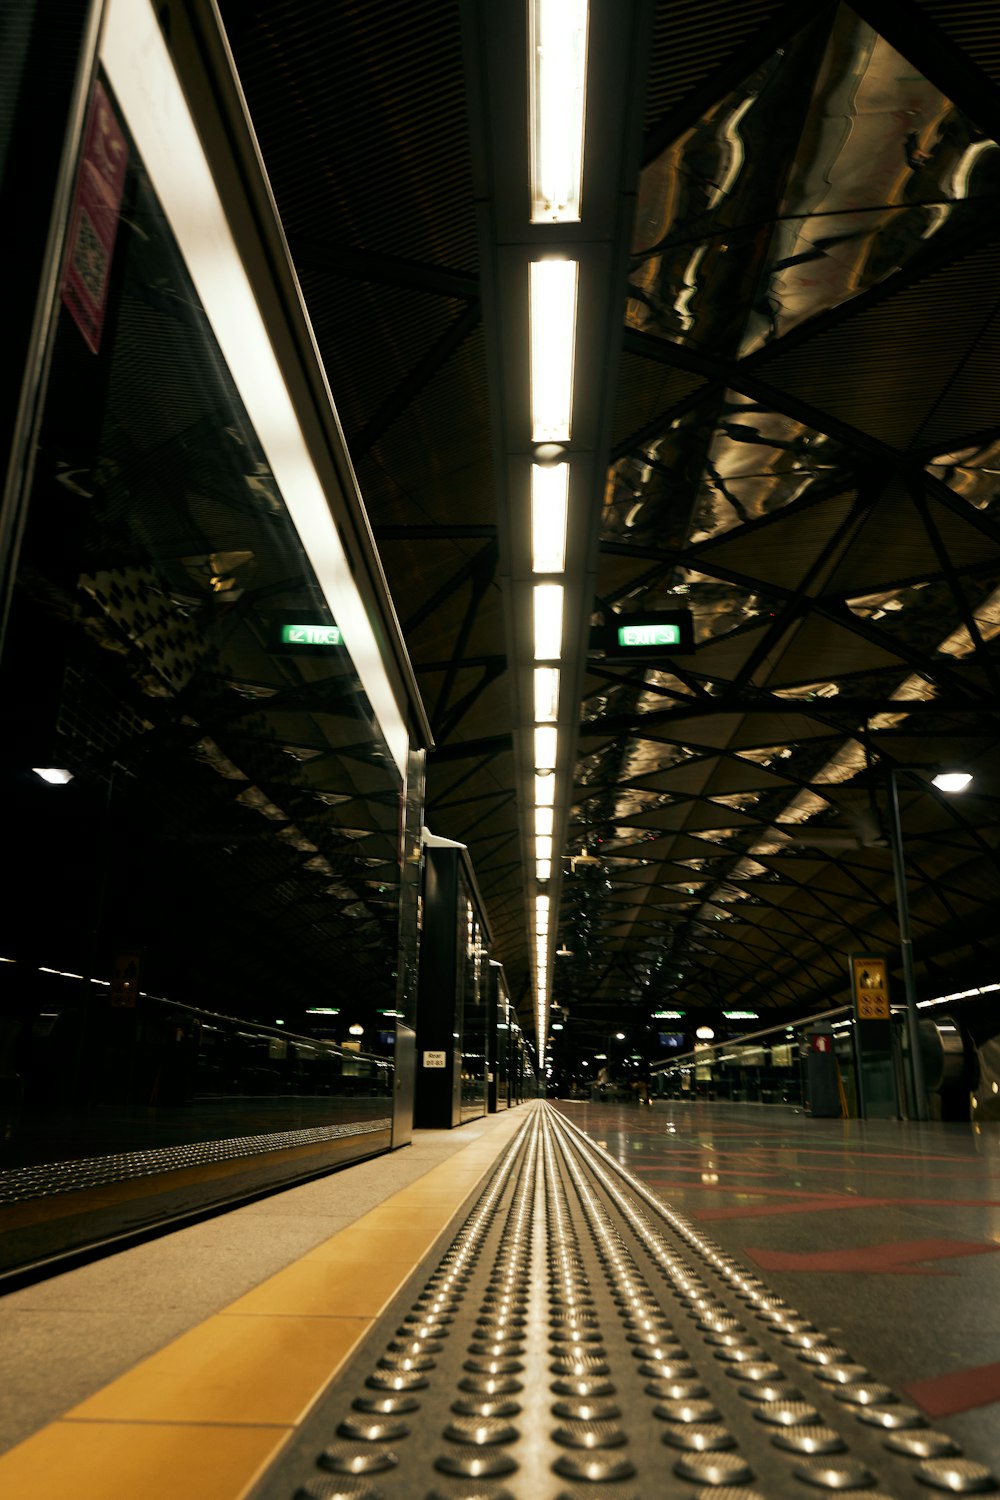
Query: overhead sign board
(649, 635)
(296, 632)
(311, 635)
(645, 637)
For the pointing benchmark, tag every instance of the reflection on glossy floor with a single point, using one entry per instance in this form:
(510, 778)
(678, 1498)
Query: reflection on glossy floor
(883, 1232)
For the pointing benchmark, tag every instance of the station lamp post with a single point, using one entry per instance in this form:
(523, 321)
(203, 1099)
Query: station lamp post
(946, 781)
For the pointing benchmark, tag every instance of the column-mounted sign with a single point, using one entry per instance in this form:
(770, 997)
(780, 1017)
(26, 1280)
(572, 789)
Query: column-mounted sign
(876, 1075)
(870, 987)
(124, 990)
(435, 1060)
(646, 637)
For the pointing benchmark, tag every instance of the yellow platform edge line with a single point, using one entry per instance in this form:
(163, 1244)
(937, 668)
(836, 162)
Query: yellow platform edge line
(208, 1413)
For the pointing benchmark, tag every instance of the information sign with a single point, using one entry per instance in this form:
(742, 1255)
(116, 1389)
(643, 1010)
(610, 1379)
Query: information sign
(435, 1060)
(646, 637)
(298, 633)
(124, 988)
(311, 635)
(649, 635)
(870, 985)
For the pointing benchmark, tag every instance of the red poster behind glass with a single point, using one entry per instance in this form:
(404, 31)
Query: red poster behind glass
(94, 222)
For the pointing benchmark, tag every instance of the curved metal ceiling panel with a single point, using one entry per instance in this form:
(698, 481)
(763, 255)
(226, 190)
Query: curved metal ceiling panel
(812, 300)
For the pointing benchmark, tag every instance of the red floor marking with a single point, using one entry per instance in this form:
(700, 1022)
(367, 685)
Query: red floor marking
(832, 1202)
(738, 1164)
(859, 1151)
(962, 1390)
(805, 1205)
(899, 1259)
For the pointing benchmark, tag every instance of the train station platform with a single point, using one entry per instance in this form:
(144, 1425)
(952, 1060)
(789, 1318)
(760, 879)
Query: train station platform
(561, 1300)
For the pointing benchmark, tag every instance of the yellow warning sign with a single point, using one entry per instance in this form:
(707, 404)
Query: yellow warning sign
(870, 983)
(125, 980)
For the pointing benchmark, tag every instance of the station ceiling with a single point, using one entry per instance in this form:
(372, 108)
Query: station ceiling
(803, 449)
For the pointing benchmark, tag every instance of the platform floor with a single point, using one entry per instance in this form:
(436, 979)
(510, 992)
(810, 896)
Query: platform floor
(889, 1232)
(187, 1364)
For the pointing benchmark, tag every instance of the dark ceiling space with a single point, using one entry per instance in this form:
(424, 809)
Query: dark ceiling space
(804, 452)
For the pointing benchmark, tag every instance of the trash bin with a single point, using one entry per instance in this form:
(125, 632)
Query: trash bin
(821, 1075)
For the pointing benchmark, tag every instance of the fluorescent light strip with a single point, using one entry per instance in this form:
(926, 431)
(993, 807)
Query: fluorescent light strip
(546, 695)
(548, 612)
(558, 84)
(543, 820)
(549, 517)
(543, 846)
(545, 791)
(543, 869)
(139, 67)
(546, 746)
(552, 305)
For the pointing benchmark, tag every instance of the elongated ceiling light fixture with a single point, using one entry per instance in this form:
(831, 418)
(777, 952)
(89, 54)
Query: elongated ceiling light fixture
(557, 83)
(549, 501)
(546, 696)
(546, 744)
(552, 315)
(558, 43)
(548, 603)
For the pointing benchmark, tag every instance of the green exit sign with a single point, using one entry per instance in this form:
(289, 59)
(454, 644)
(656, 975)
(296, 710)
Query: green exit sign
(653, 638)
(310, 634)
(649, 635)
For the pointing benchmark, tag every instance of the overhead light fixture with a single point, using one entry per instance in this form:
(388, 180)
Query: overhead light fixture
(543, 869)
(543, 820)
(552, 301)
(53, 775)
(549, 512)
(558, 83)
(546, 695)
(546, 744)
(545, 791)
(543, 846)
(548, 607)
(948, 781)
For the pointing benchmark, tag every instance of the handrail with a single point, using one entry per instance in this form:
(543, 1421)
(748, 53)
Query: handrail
(701, 1052)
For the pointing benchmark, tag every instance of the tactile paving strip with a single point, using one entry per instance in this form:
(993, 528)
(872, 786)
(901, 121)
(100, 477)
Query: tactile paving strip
(577, 1339)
